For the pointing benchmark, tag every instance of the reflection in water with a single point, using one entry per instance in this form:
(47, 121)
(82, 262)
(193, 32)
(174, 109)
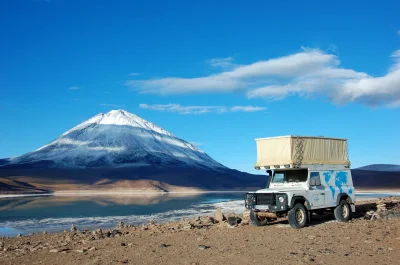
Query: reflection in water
(21, 203)
(56, 213)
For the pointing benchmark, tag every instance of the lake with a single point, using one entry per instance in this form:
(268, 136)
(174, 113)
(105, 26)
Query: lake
(35, 214)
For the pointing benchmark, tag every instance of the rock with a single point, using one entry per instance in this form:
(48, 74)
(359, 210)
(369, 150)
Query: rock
(188, 227)
(19, 235)
(123, 244)
(218, 215)
(367, 242)
(121, 224)
(53, 250)
(202, 247)
(390, 249)
(80, 250)
(92, 249)
(211, 220)
(44, 232)
(130, 244)
(1, 244)
(116, 232)
(163, 246)
(73, 228)
(233, 221)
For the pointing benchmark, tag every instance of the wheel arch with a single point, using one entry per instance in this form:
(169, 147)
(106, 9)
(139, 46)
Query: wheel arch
(343, 196)
(297, 199)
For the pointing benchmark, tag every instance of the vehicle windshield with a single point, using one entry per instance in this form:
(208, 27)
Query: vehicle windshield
(289, 176)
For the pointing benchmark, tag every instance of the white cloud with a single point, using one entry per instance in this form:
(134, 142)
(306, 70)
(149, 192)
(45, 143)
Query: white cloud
(197, 144)
(177, 108)
(221, 62)
(306, 73)
(112, 105)
(73, 88)
(246, 108)
(135, 74)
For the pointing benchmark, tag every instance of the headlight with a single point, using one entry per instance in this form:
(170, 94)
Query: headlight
(281, 199)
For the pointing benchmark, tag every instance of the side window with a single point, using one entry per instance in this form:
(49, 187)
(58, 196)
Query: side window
(315, 179)
(278, 178)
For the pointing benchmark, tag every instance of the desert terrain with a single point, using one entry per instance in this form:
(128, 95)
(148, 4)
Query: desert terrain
(371, 237)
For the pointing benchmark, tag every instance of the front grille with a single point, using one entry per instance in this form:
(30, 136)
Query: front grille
(263, 199)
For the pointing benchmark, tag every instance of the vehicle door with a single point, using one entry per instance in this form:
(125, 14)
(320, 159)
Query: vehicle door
(317, 191)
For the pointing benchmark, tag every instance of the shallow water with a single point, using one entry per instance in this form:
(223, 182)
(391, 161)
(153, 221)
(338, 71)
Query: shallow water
(27, 215)
(36, 214)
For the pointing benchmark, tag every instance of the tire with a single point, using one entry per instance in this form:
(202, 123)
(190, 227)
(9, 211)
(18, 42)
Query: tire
(297, 216)
(342, 211)
(256, 221)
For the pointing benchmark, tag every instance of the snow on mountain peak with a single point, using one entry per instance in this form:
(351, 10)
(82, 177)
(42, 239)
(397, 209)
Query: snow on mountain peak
(118, 138)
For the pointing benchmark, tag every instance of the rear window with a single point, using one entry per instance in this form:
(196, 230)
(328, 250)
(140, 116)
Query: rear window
(290, 176)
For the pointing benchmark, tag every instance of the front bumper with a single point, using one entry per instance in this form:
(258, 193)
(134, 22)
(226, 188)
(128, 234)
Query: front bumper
(266, 202)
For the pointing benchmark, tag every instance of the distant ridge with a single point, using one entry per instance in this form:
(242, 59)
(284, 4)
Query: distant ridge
(377, 176)
(381, 167)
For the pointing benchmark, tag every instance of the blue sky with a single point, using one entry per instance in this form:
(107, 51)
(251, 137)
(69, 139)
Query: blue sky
(217, 73)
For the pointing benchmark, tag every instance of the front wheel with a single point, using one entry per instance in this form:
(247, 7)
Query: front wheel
(297, 216)
(257, 221)
(342, 211)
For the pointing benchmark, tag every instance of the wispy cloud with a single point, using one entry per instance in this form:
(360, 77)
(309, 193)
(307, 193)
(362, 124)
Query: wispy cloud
(398, 32)
(135, 74)
(308, 72)
(112, 105)
(74, 88)
(221, 62)
(196, 144)
(177, 108)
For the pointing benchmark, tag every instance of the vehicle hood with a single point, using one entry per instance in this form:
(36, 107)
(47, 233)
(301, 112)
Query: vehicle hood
(282, 189)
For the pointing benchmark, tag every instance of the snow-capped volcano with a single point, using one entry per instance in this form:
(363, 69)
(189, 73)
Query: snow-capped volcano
(118, 139)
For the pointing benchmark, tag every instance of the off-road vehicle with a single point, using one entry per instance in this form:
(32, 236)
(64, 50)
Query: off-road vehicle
(306, 175)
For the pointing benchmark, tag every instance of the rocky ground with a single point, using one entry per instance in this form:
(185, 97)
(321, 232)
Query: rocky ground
(371, 237)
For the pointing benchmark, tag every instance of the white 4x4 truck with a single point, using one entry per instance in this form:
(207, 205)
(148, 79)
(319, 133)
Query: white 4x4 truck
(306, 175)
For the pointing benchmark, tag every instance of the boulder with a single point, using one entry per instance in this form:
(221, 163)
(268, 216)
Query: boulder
(218, 215)
(234, 221)
(73, 228)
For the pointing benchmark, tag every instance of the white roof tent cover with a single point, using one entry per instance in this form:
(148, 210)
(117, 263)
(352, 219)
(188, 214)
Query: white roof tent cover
(301, 150)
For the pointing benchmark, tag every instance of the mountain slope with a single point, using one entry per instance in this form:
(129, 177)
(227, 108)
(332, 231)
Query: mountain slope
(120, 150)
(377, 176)
(117, 138)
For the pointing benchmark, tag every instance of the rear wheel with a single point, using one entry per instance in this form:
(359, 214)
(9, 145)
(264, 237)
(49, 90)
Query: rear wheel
(256, 220)
(342, 211)
(297, 216)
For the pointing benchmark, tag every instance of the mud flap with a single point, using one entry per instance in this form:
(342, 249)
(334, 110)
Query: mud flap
(353, 208)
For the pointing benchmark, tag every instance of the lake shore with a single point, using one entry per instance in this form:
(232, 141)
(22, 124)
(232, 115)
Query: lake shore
(133, 192)
(202, 241)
